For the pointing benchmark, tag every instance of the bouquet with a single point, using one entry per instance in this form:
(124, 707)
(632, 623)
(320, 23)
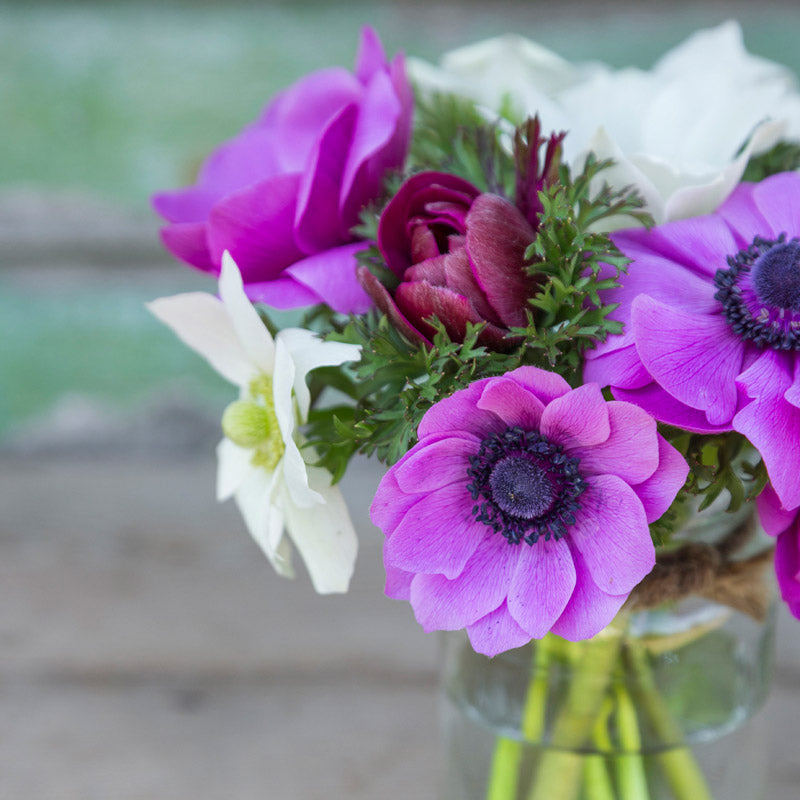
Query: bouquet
(561, 303)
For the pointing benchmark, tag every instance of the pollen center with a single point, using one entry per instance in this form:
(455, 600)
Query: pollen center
(776, 276)
(521, 487)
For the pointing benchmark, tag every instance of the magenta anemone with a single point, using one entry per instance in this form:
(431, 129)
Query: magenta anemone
(524, 508)
(284, 194)
(711, 308)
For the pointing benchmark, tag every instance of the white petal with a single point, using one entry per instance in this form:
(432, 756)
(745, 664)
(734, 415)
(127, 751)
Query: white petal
(324, 536)
(255, 502)
(234, 464)
(201, 322)
(282, 385)
(295, 476)
(309, 352)
(253, 335)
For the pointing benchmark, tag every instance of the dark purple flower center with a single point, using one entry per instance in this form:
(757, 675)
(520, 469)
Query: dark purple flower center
(760, 292)
(525, 487)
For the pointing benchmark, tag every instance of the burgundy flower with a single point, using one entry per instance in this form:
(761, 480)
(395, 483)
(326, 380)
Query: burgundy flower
(458, 254)
(283, 195)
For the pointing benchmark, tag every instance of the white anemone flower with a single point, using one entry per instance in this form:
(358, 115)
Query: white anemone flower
(260, 463)
(681, 133)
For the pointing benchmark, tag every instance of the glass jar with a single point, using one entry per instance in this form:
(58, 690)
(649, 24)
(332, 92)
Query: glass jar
(662, 705)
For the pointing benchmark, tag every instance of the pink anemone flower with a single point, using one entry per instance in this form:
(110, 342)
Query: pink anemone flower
(711, 309)
(523, 509)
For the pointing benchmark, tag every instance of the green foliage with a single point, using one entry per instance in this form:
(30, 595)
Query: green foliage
(451, 136)
(397, 381)
(783, 157)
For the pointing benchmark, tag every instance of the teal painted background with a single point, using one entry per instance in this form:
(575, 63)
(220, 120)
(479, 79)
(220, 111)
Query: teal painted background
(118, 100)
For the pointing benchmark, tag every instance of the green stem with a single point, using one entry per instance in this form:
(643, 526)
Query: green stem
(677, 763)
(630, 766)
(507, 760)
(559, 772)
(596, 780)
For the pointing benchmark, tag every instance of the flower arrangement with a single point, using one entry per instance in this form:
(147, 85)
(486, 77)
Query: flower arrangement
(567, 330)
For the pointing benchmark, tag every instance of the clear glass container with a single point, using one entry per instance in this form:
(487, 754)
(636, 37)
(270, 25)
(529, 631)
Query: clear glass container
(660, 706)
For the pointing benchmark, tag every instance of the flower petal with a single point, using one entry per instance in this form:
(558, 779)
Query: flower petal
(778, 200)
(619, 368)
(496, 632)
(436, 464)
(545, 385)
(512, 403)
(324, 535)
(695, 358)
(542, 585)
(460, 412)
(253, 335)
(611, 534)
(774, 518)
(422, 543)
(256, 224)
(787, 568)
(771, 424)
(234, 464)
(202, 323)
(578, 418)
(331, 276)
(589, 610)
(189, 242)
(658, 491)
(446, 605)
(631, 450)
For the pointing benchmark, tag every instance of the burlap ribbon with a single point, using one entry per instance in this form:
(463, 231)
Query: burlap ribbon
(710, 571)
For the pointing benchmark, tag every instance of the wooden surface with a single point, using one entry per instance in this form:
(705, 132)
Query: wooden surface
(149, 653)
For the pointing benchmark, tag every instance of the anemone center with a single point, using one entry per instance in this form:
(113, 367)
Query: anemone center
(521, 487)
(760, 293)
(524, 486)
(776, 276)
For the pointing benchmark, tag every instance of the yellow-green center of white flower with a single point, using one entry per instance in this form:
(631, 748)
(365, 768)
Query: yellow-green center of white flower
(252, 424)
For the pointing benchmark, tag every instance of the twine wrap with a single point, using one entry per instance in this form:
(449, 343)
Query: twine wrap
(710, 571)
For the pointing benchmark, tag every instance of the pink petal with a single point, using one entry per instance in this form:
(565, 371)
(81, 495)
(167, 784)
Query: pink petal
(434, 464)
(331, 275)
(497, 237)
(513, 404)
(442, 604)
(390, 504)
(256, 226)
(699, 244)
(186, 205)
(542, 585)
(458, 276)
(282, 292)
(787, 568)
(631, 450)
(460, 412)
(371, 57)
(778, 199)
(743, 216)
(300, 114)
(545, 385)
(771, 424)
(317, 223)
(578, 418)
(774, 518)
(658, 491)
(665, 408)
(589, 610)
(792, 394)
(422, 543)
(496, 632)
(398, 583)
(188, 241)
(369, 155)
(694, 357)
(622, 368)
(611, 534)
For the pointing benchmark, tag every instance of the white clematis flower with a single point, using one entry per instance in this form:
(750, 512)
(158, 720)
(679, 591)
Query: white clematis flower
(260, 464)
(675, 132)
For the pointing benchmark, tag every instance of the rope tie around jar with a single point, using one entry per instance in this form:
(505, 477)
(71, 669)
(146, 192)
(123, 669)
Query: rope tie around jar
(712, 572)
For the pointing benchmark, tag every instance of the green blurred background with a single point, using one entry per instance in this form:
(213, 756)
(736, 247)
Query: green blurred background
(105, 103)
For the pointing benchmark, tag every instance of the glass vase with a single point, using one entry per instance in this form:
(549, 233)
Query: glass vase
(659, 706)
